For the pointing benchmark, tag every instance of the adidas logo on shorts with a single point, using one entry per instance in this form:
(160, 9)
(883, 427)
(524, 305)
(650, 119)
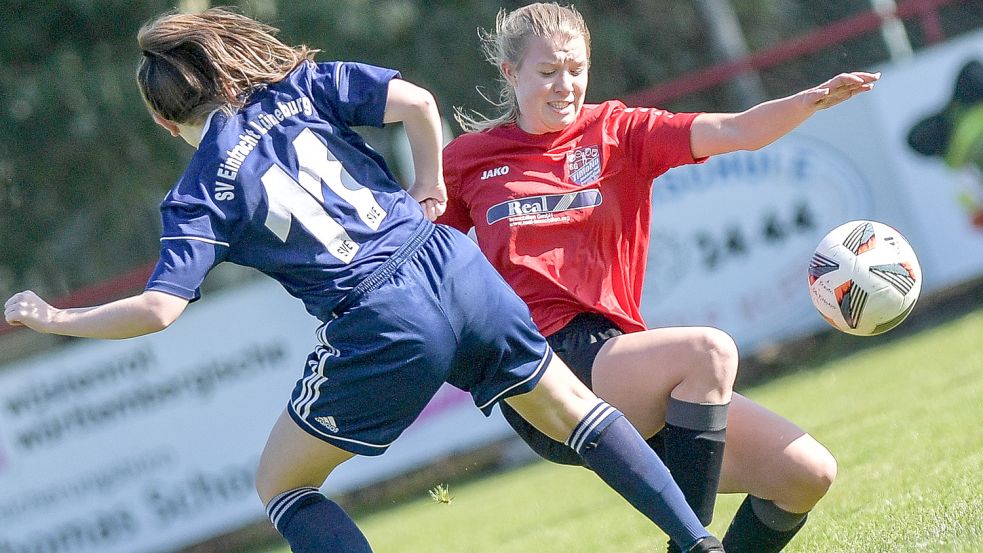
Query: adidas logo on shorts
(328, 422)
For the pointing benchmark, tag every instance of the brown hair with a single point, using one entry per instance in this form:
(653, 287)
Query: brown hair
(193, 64)
(507, 43)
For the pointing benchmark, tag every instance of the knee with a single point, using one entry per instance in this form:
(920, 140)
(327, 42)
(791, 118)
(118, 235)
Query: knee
(823, 474)
(721, 356)
(816, 476)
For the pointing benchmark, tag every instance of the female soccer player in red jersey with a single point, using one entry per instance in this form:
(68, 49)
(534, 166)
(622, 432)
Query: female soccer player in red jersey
(281, 182)
(559, 194)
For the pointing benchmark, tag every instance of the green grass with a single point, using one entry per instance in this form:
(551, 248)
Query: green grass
(903, 419)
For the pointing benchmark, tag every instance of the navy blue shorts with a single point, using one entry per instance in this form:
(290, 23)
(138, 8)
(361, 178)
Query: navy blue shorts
(436, 312)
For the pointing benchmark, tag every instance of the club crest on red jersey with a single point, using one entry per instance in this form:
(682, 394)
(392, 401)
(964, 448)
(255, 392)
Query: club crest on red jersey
(584, 165)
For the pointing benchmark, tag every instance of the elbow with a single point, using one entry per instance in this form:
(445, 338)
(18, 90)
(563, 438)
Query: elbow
(149, 323)
(160, 321)
(425, 105)
(419, 100)
(749, 143)
(161, 310)
(407, 102)
(165, 317)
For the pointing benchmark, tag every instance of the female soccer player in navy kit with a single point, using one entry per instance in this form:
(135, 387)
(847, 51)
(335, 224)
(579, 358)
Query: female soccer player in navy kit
(282, 183)
(559, 195)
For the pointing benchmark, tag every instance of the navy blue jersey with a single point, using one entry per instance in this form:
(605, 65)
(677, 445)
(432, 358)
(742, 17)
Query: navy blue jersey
(286, 186)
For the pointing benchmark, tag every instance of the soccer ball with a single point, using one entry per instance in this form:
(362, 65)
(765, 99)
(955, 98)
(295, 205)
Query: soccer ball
(864, 278)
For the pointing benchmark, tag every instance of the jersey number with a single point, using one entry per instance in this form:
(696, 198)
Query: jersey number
(303, 198)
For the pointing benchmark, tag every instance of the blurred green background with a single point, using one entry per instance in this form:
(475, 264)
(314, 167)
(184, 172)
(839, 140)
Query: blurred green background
(83, 168)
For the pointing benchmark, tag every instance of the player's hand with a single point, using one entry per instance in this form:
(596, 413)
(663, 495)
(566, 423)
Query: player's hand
(432, 198)
(840, 88)
(433, 208)
(28, 309)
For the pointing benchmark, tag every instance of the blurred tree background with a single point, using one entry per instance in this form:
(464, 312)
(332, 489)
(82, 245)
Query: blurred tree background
(83, 167)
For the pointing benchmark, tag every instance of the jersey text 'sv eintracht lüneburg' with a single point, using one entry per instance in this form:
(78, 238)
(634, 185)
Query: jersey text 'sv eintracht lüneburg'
(287, 187)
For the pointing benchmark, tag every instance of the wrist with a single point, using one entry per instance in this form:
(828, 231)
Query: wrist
(55, 320)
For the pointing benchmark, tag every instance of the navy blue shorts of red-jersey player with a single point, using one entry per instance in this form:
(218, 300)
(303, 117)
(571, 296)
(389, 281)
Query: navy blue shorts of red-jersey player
(435, 312)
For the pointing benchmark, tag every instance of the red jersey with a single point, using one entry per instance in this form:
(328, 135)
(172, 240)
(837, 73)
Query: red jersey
(565, 216)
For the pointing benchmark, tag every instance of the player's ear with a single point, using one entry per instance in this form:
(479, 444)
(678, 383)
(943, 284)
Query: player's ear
(171, 126)
(508, 71)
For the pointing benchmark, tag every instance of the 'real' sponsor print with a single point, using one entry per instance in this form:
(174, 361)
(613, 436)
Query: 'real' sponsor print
(542, 209)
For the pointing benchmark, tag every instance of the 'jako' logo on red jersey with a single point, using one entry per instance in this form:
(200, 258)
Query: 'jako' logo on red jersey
(496, 172)
(584, 165)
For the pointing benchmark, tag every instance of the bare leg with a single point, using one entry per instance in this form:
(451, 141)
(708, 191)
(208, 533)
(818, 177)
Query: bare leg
(293, 458)
(784, 470)
(638, 372)
(771, 458)
(766, 455)
(293, 466)
(557, 403)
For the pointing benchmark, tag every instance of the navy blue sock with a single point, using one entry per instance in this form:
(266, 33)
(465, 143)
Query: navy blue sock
(312, 523)
(612, 448)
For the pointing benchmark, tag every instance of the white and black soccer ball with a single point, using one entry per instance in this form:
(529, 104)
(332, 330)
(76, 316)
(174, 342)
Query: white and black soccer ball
(864, 278)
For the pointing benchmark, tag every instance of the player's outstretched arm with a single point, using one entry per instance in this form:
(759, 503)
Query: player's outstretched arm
(417, 109)
(133, 316)
(720, 133)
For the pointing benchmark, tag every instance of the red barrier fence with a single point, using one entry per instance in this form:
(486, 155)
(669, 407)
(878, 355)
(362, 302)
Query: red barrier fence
(814, 41)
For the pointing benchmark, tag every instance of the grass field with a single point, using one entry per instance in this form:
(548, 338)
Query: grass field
(903, 419)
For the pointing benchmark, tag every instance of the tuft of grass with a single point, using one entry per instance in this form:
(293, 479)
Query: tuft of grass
(441, 493)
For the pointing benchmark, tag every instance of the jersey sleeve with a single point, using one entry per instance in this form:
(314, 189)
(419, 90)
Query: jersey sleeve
(457, 214)
(655, 140)
(197, 234)
(355, 92)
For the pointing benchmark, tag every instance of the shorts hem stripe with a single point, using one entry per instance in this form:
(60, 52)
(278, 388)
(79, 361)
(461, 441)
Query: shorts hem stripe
(543, 363)
(376, 449)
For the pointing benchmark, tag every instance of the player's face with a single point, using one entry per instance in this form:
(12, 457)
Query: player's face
(550, 83)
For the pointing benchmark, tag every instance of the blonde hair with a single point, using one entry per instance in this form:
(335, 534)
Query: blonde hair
(507, 43)
(193, 64)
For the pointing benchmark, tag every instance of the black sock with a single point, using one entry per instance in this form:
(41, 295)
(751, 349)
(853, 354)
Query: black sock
(694, 451)
(760, 526)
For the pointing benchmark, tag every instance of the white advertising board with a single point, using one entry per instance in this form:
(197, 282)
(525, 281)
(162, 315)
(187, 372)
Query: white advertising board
(946, 200)
(150, 444)
(732, 238)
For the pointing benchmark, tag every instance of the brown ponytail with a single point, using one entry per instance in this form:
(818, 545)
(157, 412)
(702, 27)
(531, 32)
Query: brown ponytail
(193, 64)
